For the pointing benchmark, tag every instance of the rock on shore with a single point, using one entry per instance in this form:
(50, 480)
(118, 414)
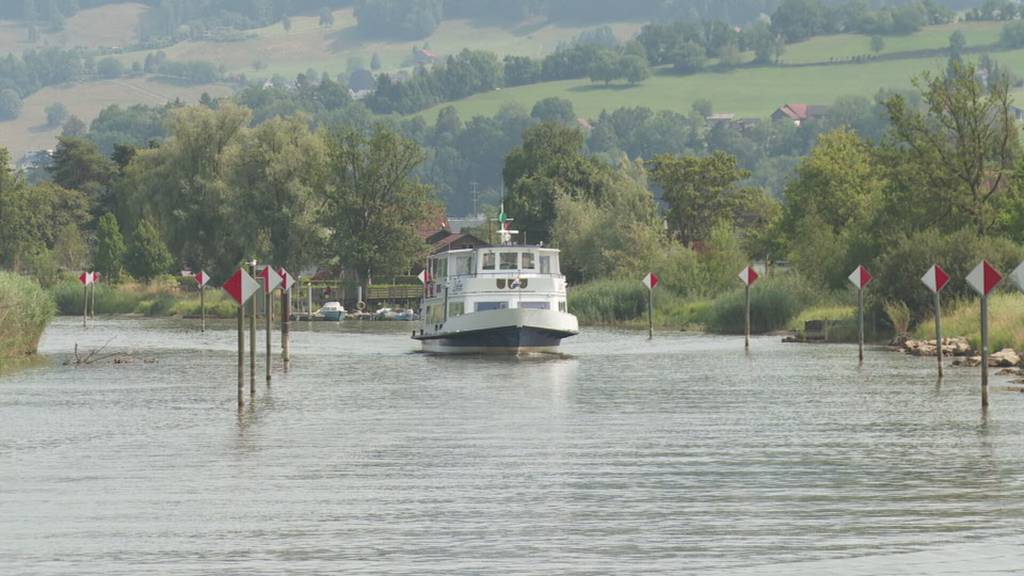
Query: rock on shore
(950, 347)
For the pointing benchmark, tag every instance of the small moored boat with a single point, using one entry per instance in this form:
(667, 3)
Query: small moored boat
(331, 311)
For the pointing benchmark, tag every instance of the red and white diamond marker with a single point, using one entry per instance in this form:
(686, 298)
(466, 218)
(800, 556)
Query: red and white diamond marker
(651, 280)
(241, 286)
(860, 277)
(271, 279)
(935, 279)
(1017, 276)
(286, 280)
(984, 278)
(87, 278)
(202, 278)
(424, 276)
(748, 276)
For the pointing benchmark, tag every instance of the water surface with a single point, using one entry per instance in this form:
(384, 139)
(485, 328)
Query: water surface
(684, 454)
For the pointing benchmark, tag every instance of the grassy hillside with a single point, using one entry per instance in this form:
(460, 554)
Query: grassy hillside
(112, 25)
(846, 46)
(307, 45)
(29, 131)
(753, 92)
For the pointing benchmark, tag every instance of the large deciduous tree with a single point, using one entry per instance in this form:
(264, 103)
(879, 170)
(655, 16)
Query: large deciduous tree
(371, 202)
(964, 148)
(702, 192)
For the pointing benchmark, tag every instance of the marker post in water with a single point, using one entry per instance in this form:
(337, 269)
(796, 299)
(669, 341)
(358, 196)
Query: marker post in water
(936, 279)
(270, 280)
(286, 315)
(202, 279)
(252, 332)
(860, 279)
(86, 278)
(984, 279)
(241, 287)
(650, 281)
(748, 276)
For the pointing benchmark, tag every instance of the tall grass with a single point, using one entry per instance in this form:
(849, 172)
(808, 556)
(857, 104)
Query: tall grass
(25, 310)
(154, 300)
(773, 304)
(624, 301)
(963, 318)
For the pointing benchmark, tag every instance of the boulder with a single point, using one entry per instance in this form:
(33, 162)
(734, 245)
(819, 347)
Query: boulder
(1005, 358)
(968, 361)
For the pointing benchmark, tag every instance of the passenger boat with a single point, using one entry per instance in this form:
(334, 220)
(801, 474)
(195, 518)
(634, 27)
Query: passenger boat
(506, 298)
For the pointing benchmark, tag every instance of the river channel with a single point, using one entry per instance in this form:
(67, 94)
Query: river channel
(681, 455)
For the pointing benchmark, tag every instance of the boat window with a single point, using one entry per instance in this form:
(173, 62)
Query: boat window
(545, 264)
(561, 306)
(464, 265)
(536, 305)
(528, 261)
(435, 314)
(456, 309)
(483, 306)
(488, 263)
(509, 260)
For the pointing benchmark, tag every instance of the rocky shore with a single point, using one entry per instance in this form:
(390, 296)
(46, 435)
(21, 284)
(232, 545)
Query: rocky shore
(960, 350)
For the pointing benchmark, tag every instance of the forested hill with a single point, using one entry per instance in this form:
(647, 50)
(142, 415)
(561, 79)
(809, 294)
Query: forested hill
(418, 18)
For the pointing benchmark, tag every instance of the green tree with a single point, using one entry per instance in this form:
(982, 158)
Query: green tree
(148, 256)
(877, 43)
(701, 193)
(74, 127)
(56, 114)
(554, 109)
(605, 67)
(276, 168)
(10, 104)
(689, 58)
(375, 62)
(964, 147)
(110, 248)
(550, 162)
(372, 202)
(326, 17)
(957, 43)
(634, 68)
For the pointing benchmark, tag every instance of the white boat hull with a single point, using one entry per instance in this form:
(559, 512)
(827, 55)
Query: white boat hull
(508, 331)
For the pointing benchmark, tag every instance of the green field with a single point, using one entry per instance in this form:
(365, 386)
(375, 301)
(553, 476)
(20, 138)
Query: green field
(847, 46)
(272, 50)
(750, 92)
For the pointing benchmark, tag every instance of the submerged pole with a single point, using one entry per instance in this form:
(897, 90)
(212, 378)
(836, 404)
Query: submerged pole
(938, 331)
(241, 355)
(860, 324)
(748, 316)
(92, 313)
(252, 335)
(202, 308)
(650, 314)
(268, 299)
(286, 320)
(85, 306)
(984, 351)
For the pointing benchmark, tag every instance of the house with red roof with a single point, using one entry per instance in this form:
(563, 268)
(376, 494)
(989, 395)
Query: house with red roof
(797, 113)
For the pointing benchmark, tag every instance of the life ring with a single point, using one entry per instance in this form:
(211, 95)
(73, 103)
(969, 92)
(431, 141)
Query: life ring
(360, 305)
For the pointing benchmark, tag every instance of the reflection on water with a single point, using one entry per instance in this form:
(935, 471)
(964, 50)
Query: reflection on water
(625, 456)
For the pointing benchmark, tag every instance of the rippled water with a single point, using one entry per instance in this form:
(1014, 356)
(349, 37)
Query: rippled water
(681, 455)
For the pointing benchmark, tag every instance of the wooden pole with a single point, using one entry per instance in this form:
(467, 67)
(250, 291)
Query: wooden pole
(860, 323)
(938, 330)
(650, 313)
(241, 355)
(252, 335)
(202, 307)
(309, 297)
(92, 313)
(748, 317)
(984, 352)
(268, 299)
(85, 306)
(286, 320)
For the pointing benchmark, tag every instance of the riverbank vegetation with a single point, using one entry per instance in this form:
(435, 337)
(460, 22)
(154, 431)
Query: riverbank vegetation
(156, 299)
(962, 318)
(25, 310)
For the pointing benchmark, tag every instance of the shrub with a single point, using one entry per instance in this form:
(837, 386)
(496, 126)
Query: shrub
(899, 273)
(25, 310)
(773, 304)
(899, 316)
